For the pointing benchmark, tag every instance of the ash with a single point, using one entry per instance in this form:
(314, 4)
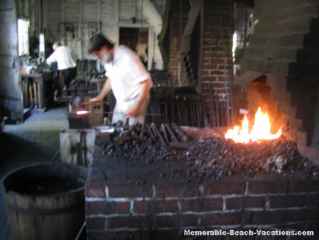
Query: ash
(166, 151)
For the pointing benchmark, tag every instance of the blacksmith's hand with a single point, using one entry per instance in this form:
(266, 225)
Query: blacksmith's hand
(133, 112)
(96, 99)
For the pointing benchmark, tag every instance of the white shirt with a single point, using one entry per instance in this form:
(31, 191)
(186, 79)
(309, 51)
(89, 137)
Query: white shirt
(63, 56)
(126, 72)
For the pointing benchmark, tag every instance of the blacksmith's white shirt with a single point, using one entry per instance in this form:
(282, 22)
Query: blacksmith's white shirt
(63, 56)
(126, 72)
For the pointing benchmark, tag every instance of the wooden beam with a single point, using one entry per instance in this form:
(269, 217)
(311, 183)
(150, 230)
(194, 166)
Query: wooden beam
(196, 6)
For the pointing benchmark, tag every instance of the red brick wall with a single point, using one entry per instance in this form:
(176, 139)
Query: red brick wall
(166, 209)
(216, 68)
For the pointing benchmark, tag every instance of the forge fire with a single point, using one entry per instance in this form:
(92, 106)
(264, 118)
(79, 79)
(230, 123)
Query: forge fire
(260, 130)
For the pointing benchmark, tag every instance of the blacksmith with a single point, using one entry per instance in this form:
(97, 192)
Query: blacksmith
(62, 55)
(126, 77)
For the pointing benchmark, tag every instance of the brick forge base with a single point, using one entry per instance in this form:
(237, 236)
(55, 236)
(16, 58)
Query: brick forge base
(164, 210)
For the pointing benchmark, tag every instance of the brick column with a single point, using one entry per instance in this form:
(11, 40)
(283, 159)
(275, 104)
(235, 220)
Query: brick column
(216, 67)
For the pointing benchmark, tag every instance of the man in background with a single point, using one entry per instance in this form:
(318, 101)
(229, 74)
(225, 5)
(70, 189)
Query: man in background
(126, 77)
(62, 55)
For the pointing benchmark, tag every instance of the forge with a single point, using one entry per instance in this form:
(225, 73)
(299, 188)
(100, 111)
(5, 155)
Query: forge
(160, 180)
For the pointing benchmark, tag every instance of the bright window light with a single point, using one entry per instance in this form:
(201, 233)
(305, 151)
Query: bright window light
(42, 44)
(235, 44)
(23, 37)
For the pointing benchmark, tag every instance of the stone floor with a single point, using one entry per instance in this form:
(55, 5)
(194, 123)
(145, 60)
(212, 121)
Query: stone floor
(36, 140)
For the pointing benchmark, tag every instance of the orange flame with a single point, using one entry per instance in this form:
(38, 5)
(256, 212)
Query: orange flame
(260, 131)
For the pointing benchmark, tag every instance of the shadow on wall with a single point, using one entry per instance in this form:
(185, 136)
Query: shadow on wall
(303, 86)
(3, 216)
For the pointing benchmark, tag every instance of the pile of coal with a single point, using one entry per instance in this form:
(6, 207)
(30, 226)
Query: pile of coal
(142, 144)
(177, 156)
(217, 157)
